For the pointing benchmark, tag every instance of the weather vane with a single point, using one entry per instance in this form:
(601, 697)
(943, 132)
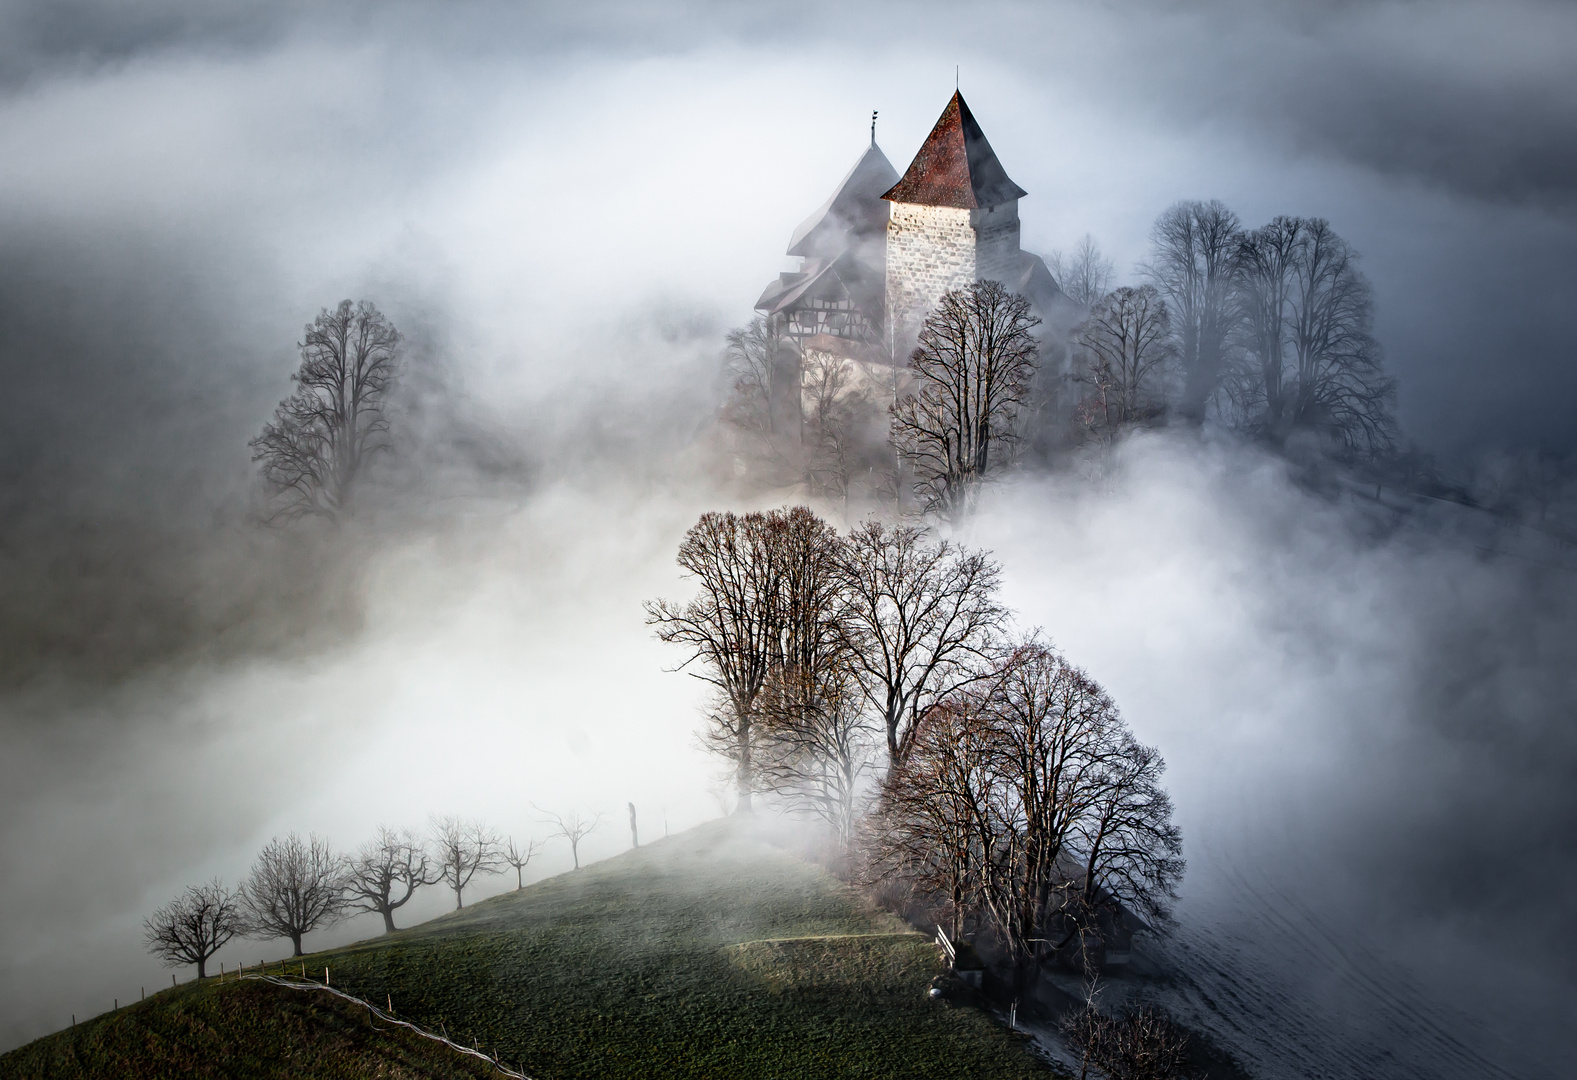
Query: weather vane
(873, 127)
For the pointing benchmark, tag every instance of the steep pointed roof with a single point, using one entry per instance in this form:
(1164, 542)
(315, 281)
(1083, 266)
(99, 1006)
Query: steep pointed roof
(956, 167)
(855, 207)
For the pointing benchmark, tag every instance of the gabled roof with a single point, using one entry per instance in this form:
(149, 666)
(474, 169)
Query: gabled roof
(855, 208)
(956, 167)
(818, 280)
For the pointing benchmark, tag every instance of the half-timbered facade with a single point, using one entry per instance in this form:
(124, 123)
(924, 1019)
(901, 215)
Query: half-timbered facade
(840, 285)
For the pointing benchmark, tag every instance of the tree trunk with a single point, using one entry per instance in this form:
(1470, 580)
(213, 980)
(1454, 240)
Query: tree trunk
(746, 779)
(388, 920)
(202, 967)
(295, 939)
(459, 901)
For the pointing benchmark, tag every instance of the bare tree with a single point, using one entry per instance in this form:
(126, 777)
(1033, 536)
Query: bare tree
(1083, 823)
(464, 849)
(316, 450)
(837, 416)
(1263, 284)
(806, 706)
(386, 872)
(1084, 274)
(1125, 347)
(194, 926)
(933, 823)
(1025, 797)
(729, 628)
(820, 746)
(1193, 250)
(1310, 362)
(763, 404)
(1138, 1044)
(753, 356)
(921, 618)
(804, 556)
(1131, 850)
(519, 856)
(973, 369)
(573, 826)
(296, 886)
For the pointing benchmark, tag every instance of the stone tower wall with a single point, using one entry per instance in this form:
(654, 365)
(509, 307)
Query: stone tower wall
(996, 241)
(932, 249)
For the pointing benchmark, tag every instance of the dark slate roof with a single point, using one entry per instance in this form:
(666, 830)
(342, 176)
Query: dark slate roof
(956, 167)
(818, 279)
(1033, 280)
(856, 208)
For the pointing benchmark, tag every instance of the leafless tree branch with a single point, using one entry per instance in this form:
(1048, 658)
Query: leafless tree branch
(315, 451)
(463, 850)
(295, 887)
(1084, 274)
(1193, 246)
(574, 827)
(922, 619)
(519, 856)
(194, 926)
(1124, 350)
(386, 872)
(973, 367)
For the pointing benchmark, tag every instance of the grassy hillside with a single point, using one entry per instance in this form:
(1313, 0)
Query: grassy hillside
(704, 955)
(250, 1030)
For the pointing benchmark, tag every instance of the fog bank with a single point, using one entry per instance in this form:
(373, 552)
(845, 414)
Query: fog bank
(1366, 711)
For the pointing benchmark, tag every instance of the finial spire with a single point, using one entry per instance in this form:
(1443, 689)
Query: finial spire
(873, 127)
(955, 78)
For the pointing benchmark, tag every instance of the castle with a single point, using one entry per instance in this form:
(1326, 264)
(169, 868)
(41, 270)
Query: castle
(880, 253)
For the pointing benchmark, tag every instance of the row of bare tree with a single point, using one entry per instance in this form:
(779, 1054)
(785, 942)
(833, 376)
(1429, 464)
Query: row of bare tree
(1012, 790)
(300, 885)
(1269, 328)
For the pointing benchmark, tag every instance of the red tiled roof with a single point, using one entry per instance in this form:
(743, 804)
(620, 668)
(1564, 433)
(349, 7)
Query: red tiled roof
(956, 167)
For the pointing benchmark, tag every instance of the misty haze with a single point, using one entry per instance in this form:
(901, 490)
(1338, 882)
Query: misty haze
(793, 540)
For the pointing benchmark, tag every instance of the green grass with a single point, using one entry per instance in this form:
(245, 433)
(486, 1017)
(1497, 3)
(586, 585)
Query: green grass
(708, 954)
(250, 1030)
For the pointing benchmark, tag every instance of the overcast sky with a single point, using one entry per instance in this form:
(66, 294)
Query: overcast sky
(564, 206)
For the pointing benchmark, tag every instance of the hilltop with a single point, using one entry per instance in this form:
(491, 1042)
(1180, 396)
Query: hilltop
(706, 954)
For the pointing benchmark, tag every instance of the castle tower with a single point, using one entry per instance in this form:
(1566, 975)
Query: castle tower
(953, 221)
